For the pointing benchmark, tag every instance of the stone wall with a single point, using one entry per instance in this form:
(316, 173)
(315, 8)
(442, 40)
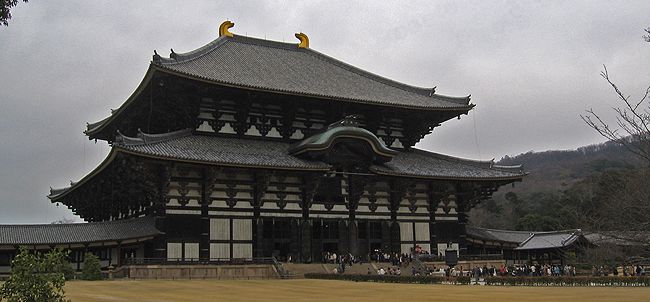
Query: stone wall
(224, 272)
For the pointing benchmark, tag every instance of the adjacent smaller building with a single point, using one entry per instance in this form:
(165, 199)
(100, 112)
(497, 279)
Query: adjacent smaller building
(112, 241)
(526, 246)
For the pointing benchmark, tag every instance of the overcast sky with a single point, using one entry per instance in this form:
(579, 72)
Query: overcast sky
(532, 67)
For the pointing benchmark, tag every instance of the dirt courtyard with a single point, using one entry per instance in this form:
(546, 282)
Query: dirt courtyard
(326, 290)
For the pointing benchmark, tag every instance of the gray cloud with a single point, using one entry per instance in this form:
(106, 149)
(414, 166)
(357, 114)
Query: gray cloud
(531, 67)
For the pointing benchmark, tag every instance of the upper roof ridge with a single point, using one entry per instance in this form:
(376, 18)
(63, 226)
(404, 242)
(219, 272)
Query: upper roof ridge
(178, 58)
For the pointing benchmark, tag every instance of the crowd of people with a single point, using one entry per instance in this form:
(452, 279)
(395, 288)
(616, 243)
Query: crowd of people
(526, 270)
(626, 270)
(399, 261)
(396, 271)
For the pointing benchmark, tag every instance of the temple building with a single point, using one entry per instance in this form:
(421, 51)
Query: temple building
(249, 148)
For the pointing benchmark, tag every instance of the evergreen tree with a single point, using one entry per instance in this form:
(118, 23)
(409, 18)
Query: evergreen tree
(35, 277)
(92, 268)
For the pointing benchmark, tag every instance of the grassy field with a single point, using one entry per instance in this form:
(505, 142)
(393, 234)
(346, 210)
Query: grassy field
(325, 290)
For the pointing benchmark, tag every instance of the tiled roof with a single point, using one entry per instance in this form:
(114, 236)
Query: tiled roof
(72, 233)
(550, 240)
(182, 145)
(420, 163)
(283, 67)
(274, 154)
(498, 235)
(528, 240)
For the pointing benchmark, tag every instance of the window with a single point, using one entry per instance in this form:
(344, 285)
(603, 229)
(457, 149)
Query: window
(5, 260)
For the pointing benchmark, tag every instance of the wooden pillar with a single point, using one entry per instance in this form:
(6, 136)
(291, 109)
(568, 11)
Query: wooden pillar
(355, 189)
(207, 185)
(261, 183)
(396, 194)
(344, 236)
(433, 198)
(294, 244)
(259, 238)
(310, 183)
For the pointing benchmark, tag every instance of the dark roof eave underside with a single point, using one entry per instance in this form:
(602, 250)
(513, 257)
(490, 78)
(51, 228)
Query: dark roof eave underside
(93, 129)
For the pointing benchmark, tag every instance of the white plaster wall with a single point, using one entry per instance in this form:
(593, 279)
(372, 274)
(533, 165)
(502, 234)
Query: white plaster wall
(174, 250)
(242, 229)
(422, 231)
(406, 231)
(242, 250)
(220, 229)
(219, 250)
(191, 251)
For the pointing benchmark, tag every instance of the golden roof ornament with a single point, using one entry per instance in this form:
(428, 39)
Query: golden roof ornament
(304, 40)
(223, 28)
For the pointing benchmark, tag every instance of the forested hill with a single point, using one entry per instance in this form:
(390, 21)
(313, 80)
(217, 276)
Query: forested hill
(553, 170)
(539, 200)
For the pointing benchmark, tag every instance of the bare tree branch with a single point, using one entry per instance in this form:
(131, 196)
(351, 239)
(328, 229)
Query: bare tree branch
(632, 121)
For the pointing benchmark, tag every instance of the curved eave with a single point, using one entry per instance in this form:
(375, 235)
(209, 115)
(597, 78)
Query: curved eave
(94, 128)
(425, 91)
(107, 161)
(162, 68)
(223, 164)
(513, 178)
(180, 58)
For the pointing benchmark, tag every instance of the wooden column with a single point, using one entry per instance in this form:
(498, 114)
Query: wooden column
(262, 179)
(209, 177)
(310, 183)
(396, 194)
(356, 187)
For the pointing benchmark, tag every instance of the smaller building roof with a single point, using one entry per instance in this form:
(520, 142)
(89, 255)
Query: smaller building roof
(528, 240)
(78, 233)
(498, 235)
(551, 240)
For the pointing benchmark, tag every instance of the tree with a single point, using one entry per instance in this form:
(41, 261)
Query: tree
(632, 129)
(625, 199)
(92, 268)
(536, 222)
(5, 10)
(36, 277)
